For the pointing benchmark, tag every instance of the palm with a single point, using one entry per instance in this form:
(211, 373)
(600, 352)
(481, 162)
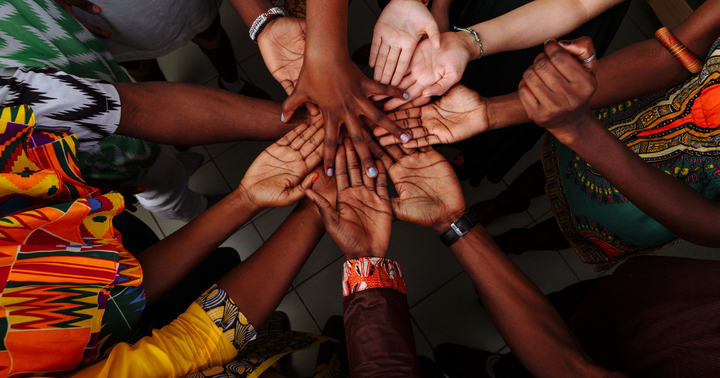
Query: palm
(449, 118)
(365, 220)
(275, 177)
(282, 45)
(427, 188)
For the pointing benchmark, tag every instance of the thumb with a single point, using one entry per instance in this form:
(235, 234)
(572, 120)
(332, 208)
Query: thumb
(294, 101)
(582, 49)
(327, 212)
(397, 208)
(437, 89)
(433, 34)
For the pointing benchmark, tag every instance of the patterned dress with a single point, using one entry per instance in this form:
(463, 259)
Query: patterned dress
(676, 131)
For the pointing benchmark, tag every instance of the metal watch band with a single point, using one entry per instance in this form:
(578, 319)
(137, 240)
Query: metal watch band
(459, 228)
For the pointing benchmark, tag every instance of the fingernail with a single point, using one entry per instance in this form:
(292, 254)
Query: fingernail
(372, 172)
(330, 172)
(548, 40)
(565, 43)
(282, 117)
(96, 9)
(429, 95)
(406, 96)
(404, 138)
(315, 179)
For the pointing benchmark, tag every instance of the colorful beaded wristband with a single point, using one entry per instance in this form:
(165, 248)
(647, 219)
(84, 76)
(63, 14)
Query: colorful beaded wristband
(678, 50)
(475, 35)
(259, 24)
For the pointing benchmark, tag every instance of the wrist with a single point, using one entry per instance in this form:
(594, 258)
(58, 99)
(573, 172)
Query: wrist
(242, 200)
(473, 47)
(312, 213)
(575, 133)
(446, 220)
(265, 30)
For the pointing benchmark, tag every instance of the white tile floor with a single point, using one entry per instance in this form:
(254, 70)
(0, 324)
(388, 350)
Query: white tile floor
(444, 305)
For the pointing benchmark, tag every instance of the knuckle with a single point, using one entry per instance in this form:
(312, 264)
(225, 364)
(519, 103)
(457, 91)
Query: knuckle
(558, 55)
(358, 139)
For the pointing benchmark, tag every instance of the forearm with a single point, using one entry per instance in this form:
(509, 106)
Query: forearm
(249, 10)
(663, 197)
(187, 114)
(525, 318)
(259, 284)
(326, 29)
(167, 262)
(533, 23)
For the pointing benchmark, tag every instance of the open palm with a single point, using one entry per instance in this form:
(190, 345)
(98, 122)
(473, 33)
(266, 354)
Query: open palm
(458, 115)
(281, 173)
(282, 45)
(361, 221)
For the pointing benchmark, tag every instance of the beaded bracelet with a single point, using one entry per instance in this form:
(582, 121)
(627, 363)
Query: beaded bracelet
(259, 24)
(678, 50)
(475, 35)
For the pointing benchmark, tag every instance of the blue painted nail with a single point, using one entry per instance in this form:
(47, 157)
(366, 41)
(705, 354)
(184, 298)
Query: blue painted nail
(282, 117)
(406, 96)
(404, 138)
(372, 172)
(330, 172)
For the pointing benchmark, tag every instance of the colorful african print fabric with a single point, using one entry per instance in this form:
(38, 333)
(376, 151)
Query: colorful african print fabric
(225, 314)
(371, 273)
(39, 34)
(68, 286)
(676, 131)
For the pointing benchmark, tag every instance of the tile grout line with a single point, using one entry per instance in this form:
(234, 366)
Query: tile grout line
(438, 288)
(422, 333)
(212, 159)
(568, 265)
(157, 224)
(308, 310)
(320, 270)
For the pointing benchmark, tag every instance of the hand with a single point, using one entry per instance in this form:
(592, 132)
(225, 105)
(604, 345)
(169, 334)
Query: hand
(325, 186)
(432, 72)
(280, 175)
(87, 7)
(429, 193)
(556, 90)
(458, 115)
(398, 30)
(282, 45)
(362, 221)
(340, 90)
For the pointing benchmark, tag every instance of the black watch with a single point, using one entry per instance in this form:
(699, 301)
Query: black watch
(459, 228)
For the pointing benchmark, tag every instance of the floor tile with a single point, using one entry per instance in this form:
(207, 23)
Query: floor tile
(453, 314)
(323, 293)
(360, 25)
(218, 148)
(545, 217)
(525, 161)
(236, 29)
(245, 241)
(234, 162)
(422, 346)
(168, 226)
(208, 181)
(546, 269)
(426, 262)
(268, 223)
(202, 151)
(187, 65)
(539, 206)
(582, 270)
(690, 250)
(627, 34)
(506, 223)
(258, 73)
(485, 191)
(303, 363)
(147, 218)
(324, 254)
(505, 350)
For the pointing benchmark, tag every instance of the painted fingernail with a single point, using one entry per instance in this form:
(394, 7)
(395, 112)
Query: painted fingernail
(372, 172)
(282, 117)
(96, 9)
(404, 138)
(330, 172)
(406, 96)
(315, 179)
(565, 43)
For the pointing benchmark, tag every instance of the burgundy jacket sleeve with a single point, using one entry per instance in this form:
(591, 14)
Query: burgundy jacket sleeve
(378, 327)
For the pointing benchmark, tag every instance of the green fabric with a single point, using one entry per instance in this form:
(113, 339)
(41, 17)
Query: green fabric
(40, 34)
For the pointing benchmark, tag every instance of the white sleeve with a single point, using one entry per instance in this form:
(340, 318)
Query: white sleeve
(86, 107)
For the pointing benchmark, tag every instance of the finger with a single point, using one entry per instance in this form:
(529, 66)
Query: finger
(366, 162)
(539, 89)
(315, 156)
(381, 187)
(303, 137)
(374, 49)
(306, 184)
(102, 33)
(567, 58)
(413, 91)
(394, 151)
(390, 65)
(439, 88)
(378, 152)
(294, 101)
(416, 103)
(288, 138)
(380, 62)
(369, 182)
(312, 143)
(331, 138)
(327, 212)
(531, 104)
(312, 108)
(342, 172)
(405, 114)
(402, 66)
(433, 34)
(549, 74)
(372, 87)
(383, 121)
(87, 6)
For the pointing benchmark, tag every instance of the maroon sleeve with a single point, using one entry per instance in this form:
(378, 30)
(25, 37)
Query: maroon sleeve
(377, 320)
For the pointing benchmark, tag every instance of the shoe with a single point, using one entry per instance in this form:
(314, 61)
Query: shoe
(248, 90)
(457, 361)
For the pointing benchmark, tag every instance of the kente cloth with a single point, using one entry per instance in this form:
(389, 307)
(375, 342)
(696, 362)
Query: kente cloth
(676, 130)
(40, 34)
(69, 290)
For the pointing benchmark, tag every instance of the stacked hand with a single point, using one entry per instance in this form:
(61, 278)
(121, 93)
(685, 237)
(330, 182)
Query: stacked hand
(556, 90)
(87, 7)
(433, 71)
(458, 115)
(397, 32)
(282, 173)
(361, 221)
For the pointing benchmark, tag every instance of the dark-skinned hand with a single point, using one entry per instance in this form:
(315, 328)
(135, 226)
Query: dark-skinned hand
(87, 7)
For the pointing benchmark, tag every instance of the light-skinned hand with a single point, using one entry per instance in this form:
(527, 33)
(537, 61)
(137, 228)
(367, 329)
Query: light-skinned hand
(458, 115)
(397, 31)
(361, 221)
(280, 175)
